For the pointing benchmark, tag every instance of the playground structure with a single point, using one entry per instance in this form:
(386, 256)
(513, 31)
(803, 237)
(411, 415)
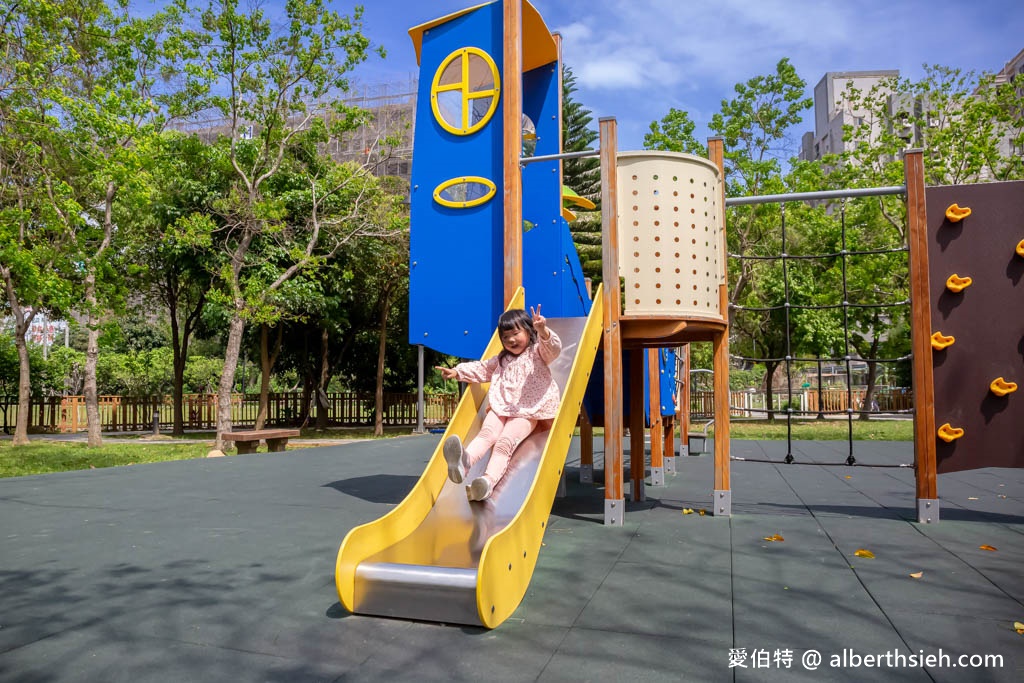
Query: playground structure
(489, 233)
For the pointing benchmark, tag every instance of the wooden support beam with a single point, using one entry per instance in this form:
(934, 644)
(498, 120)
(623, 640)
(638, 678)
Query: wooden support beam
(613, 466)
(637, 459)
(654, 406)
(512, 106)
(722, 497)
(921, 331)
(586, 447)
(683, 409)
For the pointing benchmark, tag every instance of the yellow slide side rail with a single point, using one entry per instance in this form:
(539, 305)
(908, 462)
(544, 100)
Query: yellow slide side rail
(368, 539)
(508, 559)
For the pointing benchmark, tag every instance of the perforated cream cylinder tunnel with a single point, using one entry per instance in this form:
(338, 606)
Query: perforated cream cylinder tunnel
(669, 240)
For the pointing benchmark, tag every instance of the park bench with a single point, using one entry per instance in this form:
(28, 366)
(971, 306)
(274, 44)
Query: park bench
(697, 441)
(248, 440)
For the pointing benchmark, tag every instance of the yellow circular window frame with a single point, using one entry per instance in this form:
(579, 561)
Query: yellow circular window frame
(491, 189)
(463, 87)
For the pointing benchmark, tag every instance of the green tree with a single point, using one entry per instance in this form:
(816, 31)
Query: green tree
(970, 127)
(674, 133)
(582, 175)
(264, 76)
(42, 43)
(754, 125)
(189, 177)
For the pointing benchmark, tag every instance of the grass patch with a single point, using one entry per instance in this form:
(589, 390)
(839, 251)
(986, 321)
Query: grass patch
(822, 430)
(810, 430)
(42, 457)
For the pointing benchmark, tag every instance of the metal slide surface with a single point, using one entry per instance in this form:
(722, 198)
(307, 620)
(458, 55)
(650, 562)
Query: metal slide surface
(439, 557)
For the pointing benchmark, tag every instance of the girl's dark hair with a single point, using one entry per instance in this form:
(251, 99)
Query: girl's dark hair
(513, 319)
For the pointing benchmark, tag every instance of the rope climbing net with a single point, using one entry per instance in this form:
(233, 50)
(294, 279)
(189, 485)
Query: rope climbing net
(836, 307)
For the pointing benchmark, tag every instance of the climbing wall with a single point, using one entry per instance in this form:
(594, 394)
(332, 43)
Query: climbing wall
(976, 280)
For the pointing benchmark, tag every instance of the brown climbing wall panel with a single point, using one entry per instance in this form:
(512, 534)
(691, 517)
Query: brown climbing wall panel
(669, 240)
(985, 319)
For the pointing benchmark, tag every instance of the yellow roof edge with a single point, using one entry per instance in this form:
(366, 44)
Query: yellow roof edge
(538, 45)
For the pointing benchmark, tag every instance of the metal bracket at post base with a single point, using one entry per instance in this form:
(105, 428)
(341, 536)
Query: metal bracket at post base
(657, 476)
(721, 504)
(928, 510)
(614, 511)
(670, 464)
(586, 474)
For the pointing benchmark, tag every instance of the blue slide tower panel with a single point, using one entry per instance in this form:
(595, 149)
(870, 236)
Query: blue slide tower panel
(552, 275)
(456, 254)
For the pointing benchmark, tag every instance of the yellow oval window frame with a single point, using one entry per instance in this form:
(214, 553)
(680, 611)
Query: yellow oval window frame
(467, 95)
(491, 190)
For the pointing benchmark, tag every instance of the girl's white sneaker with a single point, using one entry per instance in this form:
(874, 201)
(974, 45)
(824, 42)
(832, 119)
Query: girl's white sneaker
(479, 489)
(453, 456)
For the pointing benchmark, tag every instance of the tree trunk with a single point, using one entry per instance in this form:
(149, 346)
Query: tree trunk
(179, 350)
(227, 379)
(872, 378)
(178, 397)
(92, 349)
(321, 391)
(24, 391)
(378, 398)
(92, 353)
(869, 395)
(267, 360)
(22, 320)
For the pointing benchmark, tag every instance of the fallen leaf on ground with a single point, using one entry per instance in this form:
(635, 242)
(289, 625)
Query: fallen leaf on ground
(987, 547)
(917, 575)
(1018, 627)
(774, 538)
(848, 477)
(972, 498)
(1001, 495)
(702, 512)
(861, 552)
(687, 511)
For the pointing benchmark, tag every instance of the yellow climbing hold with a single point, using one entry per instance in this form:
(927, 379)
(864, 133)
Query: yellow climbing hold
(941, 341)
(957, 284)
(955, 214)
(1000, 387)
(950, 434)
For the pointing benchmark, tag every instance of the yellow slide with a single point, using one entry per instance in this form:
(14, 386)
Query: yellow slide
(438, 557)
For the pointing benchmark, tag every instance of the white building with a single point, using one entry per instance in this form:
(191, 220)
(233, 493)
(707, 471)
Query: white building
(832, 110)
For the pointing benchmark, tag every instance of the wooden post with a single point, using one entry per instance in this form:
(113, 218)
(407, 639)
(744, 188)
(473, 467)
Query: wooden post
(586, 447)
(722, 497)
(684, 403)
(512, 105)
(637, 461)
(614, 502)
(654, 406)
(921, 330)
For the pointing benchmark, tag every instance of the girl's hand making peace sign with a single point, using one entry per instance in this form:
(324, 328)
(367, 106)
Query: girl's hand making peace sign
(539, 322)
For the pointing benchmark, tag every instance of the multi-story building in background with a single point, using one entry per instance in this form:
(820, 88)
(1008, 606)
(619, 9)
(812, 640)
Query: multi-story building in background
(832, 110)
(392, 111)
(1012, 72)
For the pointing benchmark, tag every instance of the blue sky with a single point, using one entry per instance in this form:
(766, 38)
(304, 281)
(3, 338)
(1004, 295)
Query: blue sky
(634, 59)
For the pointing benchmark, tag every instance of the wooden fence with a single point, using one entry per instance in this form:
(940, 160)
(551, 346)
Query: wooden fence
(129, 414)
(754, 404)
(347, 409)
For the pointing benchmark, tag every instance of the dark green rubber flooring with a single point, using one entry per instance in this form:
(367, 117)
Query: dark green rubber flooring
(223, 570)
